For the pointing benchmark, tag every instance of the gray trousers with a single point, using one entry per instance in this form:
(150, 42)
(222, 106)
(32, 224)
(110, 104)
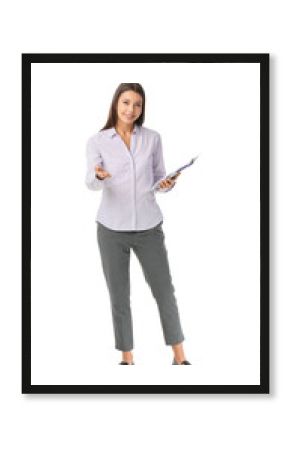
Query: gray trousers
(149, 248)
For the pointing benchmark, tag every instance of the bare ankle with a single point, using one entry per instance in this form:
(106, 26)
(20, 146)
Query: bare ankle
(127, 357)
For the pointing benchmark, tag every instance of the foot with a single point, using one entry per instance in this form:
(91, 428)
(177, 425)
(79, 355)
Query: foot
(184, 363)
(125, 363)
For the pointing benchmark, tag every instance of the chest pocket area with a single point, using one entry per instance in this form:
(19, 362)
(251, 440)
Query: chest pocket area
(148, 162)
(148, 166)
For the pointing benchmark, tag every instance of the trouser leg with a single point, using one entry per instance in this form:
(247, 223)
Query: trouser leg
(152, 254)
(115, 258)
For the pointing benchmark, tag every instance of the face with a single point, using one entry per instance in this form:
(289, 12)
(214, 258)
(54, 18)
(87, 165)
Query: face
(129, 107)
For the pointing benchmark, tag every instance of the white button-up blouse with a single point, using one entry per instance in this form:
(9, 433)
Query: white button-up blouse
(128, 203)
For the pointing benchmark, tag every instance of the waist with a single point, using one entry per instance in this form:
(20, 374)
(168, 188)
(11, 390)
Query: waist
(101, 225)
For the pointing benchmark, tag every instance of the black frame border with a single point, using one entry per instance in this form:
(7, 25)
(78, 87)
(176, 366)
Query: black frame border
(263, 60)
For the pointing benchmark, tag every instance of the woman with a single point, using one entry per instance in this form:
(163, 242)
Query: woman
(125, 160)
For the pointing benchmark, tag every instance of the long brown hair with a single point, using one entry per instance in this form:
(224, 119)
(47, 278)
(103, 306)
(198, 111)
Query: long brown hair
(112, 117)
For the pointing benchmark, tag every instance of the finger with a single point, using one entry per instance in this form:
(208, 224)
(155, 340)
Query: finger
(100, 170)
(103, 173)
(165, 184)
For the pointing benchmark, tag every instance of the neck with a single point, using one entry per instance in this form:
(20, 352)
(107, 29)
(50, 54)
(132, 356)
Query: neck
(124, 129)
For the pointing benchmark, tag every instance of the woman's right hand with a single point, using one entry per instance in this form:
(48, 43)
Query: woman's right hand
(102, 173)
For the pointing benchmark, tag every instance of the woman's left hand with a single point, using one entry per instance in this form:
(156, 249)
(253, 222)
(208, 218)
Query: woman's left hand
(168, 182)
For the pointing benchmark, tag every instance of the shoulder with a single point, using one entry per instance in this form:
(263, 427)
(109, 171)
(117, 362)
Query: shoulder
(150, 132)
(98, 137)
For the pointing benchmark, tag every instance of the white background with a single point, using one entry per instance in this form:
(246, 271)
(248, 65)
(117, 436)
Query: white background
(211, 225)
(86, 421)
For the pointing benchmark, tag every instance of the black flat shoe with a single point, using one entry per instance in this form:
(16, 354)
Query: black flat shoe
(125, 363)
(184, 363)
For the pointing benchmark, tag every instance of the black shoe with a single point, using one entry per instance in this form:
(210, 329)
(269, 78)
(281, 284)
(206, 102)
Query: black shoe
(125, 363)
(184, 363)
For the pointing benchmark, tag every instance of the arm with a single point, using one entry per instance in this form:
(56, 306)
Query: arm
(158, 165)
(94, 159)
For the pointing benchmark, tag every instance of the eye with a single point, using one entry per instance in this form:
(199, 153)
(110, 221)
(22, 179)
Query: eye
(126, 101)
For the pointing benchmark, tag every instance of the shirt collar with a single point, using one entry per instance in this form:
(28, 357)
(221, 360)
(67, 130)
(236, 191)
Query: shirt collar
(112, 131)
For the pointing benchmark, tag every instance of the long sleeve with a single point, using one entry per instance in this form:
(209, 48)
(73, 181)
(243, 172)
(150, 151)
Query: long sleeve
(159, 166)
(93, 159)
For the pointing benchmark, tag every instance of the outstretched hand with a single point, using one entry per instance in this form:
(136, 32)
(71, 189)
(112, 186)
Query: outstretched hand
(102, 173)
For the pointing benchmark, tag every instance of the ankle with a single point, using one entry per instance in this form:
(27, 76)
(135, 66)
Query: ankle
(179, 360)
(127, 357)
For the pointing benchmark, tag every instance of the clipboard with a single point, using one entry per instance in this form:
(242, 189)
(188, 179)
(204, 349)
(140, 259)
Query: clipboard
(173, 174)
